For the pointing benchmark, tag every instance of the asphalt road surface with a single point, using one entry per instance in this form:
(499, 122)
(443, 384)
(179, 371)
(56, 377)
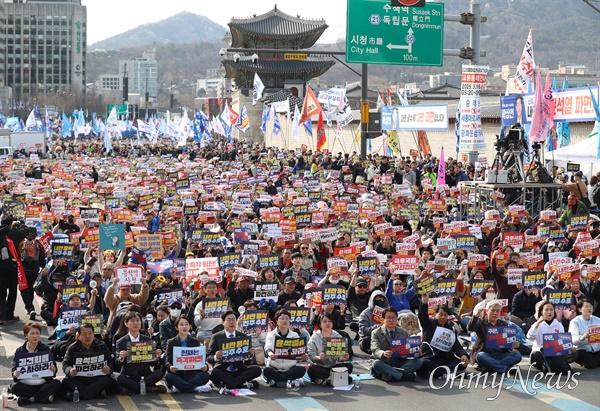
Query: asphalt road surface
(372, 394)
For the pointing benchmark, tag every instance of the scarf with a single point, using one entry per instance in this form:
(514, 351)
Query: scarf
(20, 270)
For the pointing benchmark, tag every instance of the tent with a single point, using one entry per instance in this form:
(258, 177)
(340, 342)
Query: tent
(583, 153)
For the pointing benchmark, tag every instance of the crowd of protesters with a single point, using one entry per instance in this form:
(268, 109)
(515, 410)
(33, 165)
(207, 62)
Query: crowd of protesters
(379, 256)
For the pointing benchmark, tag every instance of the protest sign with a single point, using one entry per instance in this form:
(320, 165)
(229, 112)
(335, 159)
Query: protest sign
(594, 334)
(367, 266)
(255, 322)
(425, 285)
(195, 266)
(289, 348)
(334, 294)
(152, 242)
(266, 291)
(443, 339)
(34, 365)
(406, 347)
(335, 347)
(69, 290)
(445, 287)
(534, 280)
(500, 338)
(377, 315)
(215, 307)
(236, 349)
(90, 365)
(62, 251)
(189, 358)
(140, 352)
(95, 320)
(477, 286)
(404, 265)
(229, 260)
(112, 236)
(562, 299)
(268, 261)
(128, 275)
(70, 317)
(299, 317)
(514, 276)
(556, 345)
(465, 242)
(164, 295)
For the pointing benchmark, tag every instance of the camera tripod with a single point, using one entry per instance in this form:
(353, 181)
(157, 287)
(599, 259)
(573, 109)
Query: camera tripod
(512, 162)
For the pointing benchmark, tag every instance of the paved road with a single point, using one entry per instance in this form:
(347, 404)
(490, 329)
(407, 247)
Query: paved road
(373, 394)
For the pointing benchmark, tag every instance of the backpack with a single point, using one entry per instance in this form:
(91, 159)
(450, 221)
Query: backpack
(30, 251)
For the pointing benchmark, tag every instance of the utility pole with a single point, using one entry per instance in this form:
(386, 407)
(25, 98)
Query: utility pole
(364, 111)
(474, 42)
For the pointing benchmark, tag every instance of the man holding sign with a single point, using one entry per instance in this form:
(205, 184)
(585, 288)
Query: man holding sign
(87, 366)
(492, 355)
(224, 344)
(283, 349)
(389, 365)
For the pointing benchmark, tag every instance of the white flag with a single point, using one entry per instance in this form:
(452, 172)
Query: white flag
(296, 124)
(259, 87)
(30, 123)
(112, 117)
(526, 66)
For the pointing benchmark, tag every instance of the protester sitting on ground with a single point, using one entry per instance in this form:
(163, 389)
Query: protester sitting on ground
(95, 382)
(278, 371)
(319, 370)
(30, 390)
(167, 327)
(128, 373)
(205, 325)
(112, 299)
(367, 322)
(389, 365)
(235, 374)
(398, 296)
(441, 346)
(546, 324)
(523, 307)
(182, 380)
(488, 357)
(258, 337)
(588, 353)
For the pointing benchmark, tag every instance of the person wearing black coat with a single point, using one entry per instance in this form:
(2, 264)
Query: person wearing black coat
(441, 346)
(11, 235)
(131, 373)
(87, 355)
(181, 380)
(36, 389)
(233, 374)
(523, 308)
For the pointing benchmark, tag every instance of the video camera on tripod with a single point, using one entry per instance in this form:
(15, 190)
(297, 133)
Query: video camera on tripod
(514, 140)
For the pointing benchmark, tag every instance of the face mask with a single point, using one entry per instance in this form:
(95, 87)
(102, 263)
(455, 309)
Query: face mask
(334, 281)
(175, 312)
(490, 296)
(380, 303)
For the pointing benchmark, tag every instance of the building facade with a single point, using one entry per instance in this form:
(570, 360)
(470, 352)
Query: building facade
(43, 46)
(142, 74)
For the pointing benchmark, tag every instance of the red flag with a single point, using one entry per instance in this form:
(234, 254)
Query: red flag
(423, 142)
(21, 277)
(310, 106)
(321, 136)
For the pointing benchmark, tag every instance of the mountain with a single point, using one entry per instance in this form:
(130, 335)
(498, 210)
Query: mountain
(182, 28)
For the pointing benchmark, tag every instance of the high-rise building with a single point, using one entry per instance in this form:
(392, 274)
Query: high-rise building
(42, 46)
(142, 74)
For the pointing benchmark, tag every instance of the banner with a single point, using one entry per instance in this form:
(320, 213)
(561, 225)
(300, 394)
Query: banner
(407, 347)
(571, 105)
(140, 352)
(189, 358)
(335, 347)
(112, 237)
(556, 345)
(236, 349)
(255, 322)
(34, 365)
(500, 338)
(414, 118)
(289, 348)
(90, 366)
(473, 81)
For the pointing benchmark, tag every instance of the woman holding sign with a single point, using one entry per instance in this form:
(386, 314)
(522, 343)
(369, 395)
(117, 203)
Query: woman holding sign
(441, 346)
(546, 324)
(135, 358)
(321, 360)
(187, 370)
(585, 329)
(283, 349)
(34, 369)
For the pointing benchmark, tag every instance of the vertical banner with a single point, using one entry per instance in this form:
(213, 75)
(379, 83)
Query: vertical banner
(473, 80)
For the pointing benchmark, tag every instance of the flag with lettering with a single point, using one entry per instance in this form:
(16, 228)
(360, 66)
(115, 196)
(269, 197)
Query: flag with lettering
(543, 113)
(321, 136)
(526, 66)
(311, 105)
(258, 88)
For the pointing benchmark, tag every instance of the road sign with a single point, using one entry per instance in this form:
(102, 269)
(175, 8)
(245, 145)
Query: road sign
(121, 109)
(378, 33)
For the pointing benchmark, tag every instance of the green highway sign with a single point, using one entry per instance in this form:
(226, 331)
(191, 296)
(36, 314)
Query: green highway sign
(121, 109)
(379, 33)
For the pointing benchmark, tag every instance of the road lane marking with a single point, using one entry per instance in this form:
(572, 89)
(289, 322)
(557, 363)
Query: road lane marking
(170, 402)
(127, 403)
(300, 404)
(555, 398)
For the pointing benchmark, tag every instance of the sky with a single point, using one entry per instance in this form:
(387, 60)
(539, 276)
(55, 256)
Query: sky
(107, 18)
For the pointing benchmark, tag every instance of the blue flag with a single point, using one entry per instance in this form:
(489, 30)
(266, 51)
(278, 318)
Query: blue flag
(264, 119)
(308, 127)
(276, 125)
(66, 126)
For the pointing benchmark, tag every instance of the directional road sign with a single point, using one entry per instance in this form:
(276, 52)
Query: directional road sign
(377, 32)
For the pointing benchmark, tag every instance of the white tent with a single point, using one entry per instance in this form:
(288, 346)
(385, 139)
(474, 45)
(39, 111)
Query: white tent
(584, 153)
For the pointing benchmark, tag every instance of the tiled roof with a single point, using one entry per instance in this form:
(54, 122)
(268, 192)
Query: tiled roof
(314, 67)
